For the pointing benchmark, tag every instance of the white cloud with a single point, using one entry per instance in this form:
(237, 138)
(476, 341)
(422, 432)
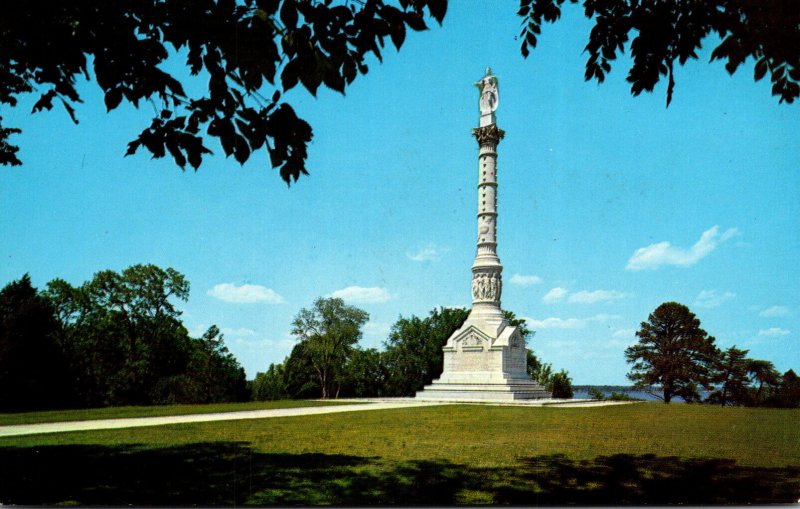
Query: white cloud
(567, 323)
(360, 294)
(774, 311)
(587, 297)
(773, 332)
(429, 253)
(245, 294)
(664, 253)
(554, 295)
(712, 299)
(558, 294)
(522, 280)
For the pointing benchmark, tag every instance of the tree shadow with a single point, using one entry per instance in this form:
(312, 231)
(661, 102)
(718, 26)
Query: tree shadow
(226, 473)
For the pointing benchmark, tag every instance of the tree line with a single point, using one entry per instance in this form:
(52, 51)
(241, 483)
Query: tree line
(675, 357)
(118, 339)
(114, 340)
(328, 362)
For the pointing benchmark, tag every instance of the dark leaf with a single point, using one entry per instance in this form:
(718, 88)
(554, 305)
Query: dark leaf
(113, 98)
(289, 14)
(438, 9)
(760, 69)
(398, 35)
(415, 21)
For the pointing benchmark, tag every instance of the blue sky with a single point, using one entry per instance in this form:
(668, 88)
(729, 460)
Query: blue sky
(609, 205)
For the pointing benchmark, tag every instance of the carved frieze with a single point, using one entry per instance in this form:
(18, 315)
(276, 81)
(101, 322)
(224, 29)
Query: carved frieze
(487, 286)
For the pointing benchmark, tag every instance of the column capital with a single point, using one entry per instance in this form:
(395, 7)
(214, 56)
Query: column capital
(488, 135)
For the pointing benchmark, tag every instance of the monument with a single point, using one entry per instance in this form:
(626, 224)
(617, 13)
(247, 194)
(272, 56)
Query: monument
(486, 358)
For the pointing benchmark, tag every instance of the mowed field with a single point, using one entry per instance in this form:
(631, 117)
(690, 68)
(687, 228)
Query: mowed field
(455, 454)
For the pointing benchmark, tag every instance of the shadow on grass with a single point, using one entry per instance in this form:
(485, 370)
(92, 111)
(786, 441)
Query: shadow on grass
(232, 474)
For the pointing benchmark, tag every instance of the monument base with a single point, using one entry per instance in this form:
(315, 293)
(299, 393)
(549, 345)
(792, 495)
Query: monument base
(484, 360)
(510, 390)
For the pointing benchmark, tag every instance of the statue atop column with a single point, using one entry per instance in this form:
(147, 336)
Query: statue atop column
(489, 97)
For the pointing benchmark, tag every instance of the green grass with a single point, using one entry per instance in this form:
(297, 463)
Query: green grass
(92, 414)
(640, 454)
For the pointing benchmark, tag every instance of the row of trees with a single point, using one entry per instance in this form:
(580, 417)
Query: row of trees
(115, 340)
(328, 362)
(678, 358)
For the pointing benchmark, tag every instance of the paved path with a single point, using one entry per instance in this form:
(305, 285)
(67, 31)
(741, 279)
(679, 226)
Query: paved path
(58, 427)
(362, 404)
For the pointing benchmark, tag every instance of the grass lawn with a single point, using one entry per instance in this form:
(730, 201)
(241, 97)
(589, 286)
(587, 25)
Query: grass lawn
(150, 411)
(634, 454)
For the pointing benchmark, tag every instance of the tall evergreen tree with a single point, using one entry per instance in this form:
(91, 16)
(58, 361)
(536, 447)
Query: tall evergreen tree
(673, 353)
(730, 376)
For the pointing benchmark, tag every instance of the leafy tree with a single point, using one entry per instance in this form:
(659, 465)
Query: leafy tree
(788, 395)
(414, 354)
(561, 385)
(540, 372)
(673, 352)
(33, 371)
(730, 376)
(214, 371)
(763, 373)
(249, 51)
(125, 342)
(365, 374)
(329, 330)
(270, 385)
(299, 376)
(661, 33)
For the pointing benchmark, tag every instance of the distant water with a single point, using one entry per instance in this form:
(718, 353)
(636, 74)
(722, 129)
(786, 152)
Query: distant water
(584, 394)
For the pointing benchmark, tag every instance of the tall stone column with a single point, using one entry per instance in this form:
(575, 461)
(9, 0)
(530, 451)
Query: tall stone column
(487, 282)
(485, 359)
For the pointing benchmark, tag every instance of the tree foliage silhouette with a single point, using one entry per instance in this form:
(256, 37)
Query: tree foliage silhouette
(251, 52)
(661, 33)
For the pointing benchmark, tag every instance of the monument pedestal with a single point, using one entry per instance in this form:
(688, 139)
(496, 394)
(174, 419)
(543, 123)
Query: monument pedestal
(486, 358)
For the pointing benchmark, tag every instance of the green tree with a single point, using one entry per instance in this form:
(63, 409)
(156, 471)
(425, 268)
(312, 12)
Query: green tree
(540, 372)
(122, 333)
(365, 374)
(249, 51)
(414, 356)
(673, 352)
(561, 385)
(730, 376)
(763, 373)
(34, 374)
(329, 331)
(299, 376)
(788, 395)
(660, 33)
(214, 371)
(270, 385)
